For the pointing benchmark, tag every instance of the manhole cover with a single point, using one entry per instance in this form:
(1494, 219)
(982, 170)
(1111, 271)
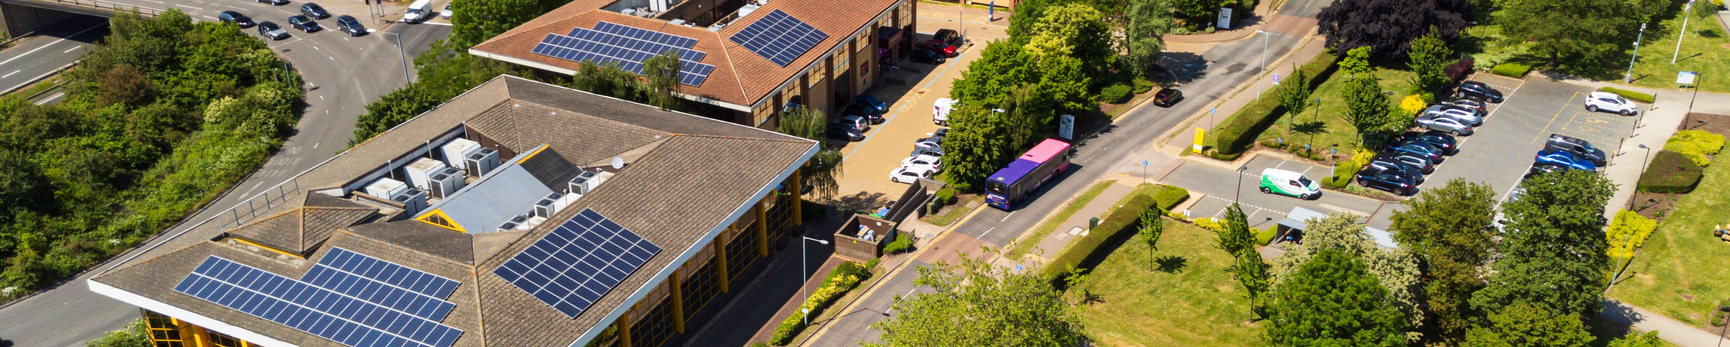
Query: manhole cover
(1075, 231)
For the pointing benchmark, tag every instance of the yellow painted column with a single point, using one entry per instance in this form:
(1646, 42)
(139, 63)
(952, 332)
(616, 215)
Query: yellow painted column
(625, 328)
(720, 245)
(798, 199)
(191, 335)
(762, 228)
(678, 290)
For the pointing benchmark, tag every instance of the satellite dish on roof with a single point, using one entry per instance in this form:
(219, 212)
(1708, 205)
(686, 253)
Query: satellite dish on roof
(618, 163)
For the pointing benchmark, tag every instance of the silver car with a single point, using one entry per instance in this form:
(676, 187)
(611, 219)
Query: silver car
(1464, 115)
(1444, 124)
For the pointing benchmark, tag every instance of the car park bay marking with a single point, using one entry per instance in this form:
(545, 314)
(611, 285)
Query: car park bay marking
(1544, 134)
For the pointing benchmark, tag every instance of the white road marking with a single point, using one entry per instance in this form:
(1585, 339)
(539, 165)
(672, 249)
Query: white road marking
(892, 305)
(314, 145)
(316, 47)
(1006, 217)
(69, 50)
(321, 97)
(9, 74)
(436, 23)
(51, 43)
(191, 7)
(331, 58)
(50, 98)
(987, 232)
(159, 2)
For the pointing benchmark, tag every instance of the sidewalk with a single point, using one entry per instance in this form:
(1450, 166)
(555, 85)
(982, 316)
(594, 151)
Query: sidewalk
(1243, 96)
(1668, 329)
(1061, 237)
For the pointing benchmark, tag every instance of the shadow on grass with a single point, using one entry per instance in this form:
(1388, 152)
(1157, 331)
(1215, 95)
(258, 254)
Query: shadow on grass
(1171, 264)
(1311, 128)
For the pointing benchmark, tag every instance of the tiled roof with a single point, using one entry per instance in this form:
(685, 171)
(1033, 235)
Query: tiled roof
(299, 229)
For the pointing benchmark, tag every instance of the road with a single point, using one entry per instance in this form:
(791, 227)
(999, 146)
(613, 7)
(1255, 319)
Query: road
(343, 74)
(54, 47)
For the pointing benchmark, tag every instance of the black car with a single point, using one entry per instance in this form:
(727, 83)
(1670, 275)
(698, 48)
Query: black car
(1542, 168)
(1478, 91)
(1167, 97)
(1423, 165)
(349, 25)
(314, 10)
(928, 57)
(1391, 177)
(274, 2)
(1580, 148)
(1420, 149)
(841, 131)
(236, 18)
(1437, 139)
(303, 23)
(864, 110)
(948, 35)
(271, 31)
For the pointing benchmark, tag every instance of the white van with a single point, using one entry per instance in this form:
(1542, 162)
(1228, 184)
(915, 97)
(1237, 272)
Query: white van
(940, 114)
(419, 11)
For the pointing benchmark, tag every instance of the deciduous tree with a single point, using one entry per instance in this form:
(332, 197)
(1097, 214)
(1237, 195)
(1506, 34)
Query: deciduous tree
(1366, 108)
(1235, 238)
(1428, 57)
(1522, 325)
(978, 304)
(1146, 24)
(1077, 31)
(1294, 94)
(1448, 228)
(1552, 252)
(661, 78)
(1390, 25)
(1580, 30)
(823, 172)
(476, 21)
(1395, 269)
(975, 147)
(1332, 300)
(1151, 229)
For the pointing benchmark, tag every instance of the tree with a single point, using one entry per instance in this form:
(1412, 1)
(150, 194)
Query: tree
(1294, 94)
(1448, 228)
(1074, 30)
(1632, 339)
(1146, 24)
(1428, 59)
(1396, 269)
(1332, 300)
(1002, 66)
(975, 147)
(1196, 14)
(1522, 324)
(22, 184)
(823, 172)
(1151, 228)
(1027, 14)
(1552, 252)
(661, 75)
(1366, 108)
(1389, 26)
(134, 335)
(442, 72)
(1235, 238)
(1356, 62)
(479, 20)
(978, 304)
(1580, 30)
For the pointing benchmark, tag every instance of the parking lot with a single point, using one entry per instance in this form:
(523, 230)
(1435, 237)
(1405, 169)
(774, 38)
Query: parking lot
(1262, 209)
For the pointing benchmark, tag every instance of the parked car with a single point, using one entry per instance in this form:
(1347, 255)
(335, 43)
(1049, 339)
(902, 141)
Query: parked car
(1610, 102)
(314, 10)
(1563, 158)
(909, 175)
(842, 131)
(935, 151)
(236, 18)
(304, 23)
(1413, 160)
(1478, 91)
(274, 2)
(1437, 139)
(1467, 103)
(940, 112)
(1291, 183)
(1579, 148)
(873, 101)
(1167, 97)
(1542, 168)
(418, 11)
(1444, 124)
(939, 47)
(1420, 149)
(865, 111)
(928, 57)
(857, 122)
(1464, 115)
(349, 25)
(1391, 177)
(933, 161)
(948, 36)
(445, 13)
(271, 31)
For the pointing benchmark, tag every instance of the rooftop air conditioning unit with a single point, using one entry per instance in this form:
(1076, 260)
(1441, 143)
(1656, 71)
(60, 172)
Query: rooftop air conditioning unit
(445, 183)
(481, 162)
(583, 183)
(515, 223)
(418, 171)
(385, 188)
(548, 205)
(457, 150)
(412, 200)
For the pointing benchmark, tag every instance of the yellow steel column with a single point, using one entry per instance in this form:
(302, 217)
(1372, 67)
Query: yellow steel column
(624, 323)
(720, 245)
(762, 228)
(798, 199)
(678, 302)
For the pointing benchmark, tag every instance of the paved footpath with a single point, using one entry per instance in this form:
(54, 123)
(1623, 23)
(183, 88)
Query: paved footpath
(1668, 329)
(1060, 237)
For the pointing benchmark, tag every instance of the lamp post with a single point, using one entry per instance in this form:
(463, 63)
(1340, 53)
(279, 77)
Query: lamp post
(804, 277)
(1682, 34)
(400, 55)
(1264, 43)
(1648, 158)
(1630, 75)
(1240, 171)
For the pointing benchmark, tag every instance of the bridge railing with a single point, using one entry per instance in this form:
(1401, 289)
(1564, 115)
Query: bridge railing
(109, 5)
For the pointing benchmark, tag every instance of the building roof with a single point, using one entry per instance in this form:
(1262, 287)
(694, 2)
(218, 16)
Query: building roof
(299, 229)
(678, 192)
(741, 77)
(505, 193)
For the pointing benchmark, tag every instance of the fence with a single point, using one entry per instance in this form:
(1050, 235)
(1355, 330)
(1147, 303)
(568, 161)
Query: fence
(258, 205)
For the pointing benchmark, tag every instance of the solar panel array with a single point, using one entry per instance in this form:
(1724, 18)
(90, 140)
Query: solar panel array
(388, 272)
(577, 263)
(779, 37)
(384, 283)
(627, 48)
(315, 310)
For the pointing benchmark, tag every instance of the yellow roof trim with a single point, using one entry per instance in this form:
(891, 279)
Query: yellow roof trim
(441, 214)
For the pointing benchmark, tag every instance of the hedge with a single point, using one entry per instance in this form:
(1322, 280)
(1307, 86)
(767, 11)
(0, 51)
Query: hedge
(1637, 96)
(1143, 85)
(1113, 229)
(1459, 70)
(1343, 172)
(1515, 70)
(1239, 132)
(1114, 94)
(1670, 173)
(946, 196)
(898, 245)
(1169, 196)
(1264, 236)
(1696, 145)
(840, 280)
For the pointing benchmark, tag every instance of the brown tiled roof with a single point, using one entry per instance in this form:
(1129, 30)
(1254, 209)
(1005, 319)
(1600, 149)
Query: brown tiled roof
(299, 229)
(741, 77)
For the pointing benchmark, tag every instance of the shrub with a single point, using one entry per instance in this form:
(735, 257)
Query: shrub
(1343, 172)
(1634, 227)
(1515, 70)
(1265, 236)
(1168, 197)
(900, 244)
(759, 344)
(1116, 94)
(1143, 85)
(872, 264)
(1113, 229)
(945, 196)
(1218, 155)
(1670, 173)
(842, 279)
(1176, 215)
(1696, 145)
(1239, 131)
(1459, 70)
(1636, 96)
(1413, 104)
(1210, 224)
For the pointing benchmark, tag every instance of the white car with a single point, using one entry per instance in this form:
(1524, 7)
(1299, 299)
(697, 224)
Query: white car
(1464, 115)
(1610, 102)
(857, 122)
(935, 162)
(940, 113)
(446, 13)
(911, 174)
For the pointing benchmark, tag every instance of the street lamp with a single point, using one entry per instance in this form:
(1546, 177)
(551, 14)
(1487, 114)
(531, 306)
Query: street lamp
(805, 276)
(1630, 75)
(1264, 42)
(400, 55)
(1240, 173)
(1648, 158)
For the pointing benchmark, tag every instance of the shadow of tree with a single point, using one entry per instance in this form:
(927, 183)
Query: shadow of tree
(861, 201)
(1311, 127)
(1171, 264)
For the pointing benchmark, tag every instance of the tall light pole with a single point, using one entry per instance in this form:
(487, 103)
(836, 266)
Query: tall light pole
(1643, 162)
(804, 276)
(1683, 33)
(400, 55)
(1630, 76)
(1264, 43)
(1240, 172)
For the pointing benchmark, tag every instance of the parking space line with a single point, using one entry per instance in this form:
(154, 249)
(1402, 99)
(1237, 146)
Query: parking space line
(1542, 133)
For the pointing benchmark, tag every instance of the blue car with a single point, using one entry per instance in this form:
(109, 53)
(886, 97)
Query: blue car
(1563, 158)
(873, 101)
(1420, 149)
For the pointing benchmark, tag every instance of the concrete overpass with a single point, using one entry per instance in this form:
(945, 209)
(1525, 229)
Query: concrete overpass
(18, 17)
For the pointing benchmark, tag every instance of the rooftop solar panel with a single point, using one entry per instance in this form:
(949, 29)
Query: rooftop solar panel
(628, 59)
(629, 31)
(779, 37)
(314, 310)
(577, 263)
(378, 292)
(390, 273)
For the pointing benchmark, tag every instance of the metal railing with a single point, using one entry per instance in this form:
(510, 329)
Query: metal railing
(256, 206)
(109, 5)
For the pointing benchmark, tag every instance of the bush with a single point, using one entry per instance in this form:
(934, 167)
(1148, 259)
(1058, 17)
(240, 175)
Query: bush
(1634, 227)
(1636, 96)
(842, 279)
(945, 197)
(1459, 70)
(1169, 196)
(1239, 131)
(1670, 173)
(1113, 229)
(1343, 172)
(1264, 236)
(1515, 70)
(1115, 94)
(1211, 224)
(1143, 85)
(1696, 145)
(900, 244)
(1218, 155)
(1413, 104)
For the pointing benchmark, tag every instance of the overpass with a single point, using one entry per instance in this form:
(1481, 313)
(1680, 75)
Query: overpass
(22, 16)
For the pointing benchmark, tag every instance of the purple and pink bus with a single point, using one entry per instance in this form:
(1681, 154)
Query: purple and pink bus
(1026, 174)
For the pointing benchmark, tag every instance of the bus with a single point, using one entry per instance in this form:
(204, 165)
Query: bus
(1026, 174)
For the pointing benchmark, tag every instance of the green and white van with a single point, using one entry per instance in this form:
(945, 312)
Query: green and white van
(1276, 181)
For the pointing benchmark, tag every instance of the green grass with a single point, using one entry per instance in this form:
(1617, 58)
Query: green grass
(1031, 240)
(1327, 129)
(955, 213)
(1197, 304)
(1704, 51)
(1681, 272)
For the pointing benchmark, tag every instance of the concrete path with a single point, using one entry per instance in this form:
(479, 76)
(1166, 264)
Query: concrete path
(1668, 329)
(1049, 246)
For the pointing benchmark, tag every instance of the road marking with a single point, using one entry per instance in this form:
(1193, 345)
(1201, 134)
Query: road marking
(321, 97)
(52, 43)
(1007, 216)
(69, 50)
(1281, 163)
(191, 7)
(316, 47)
(14, 72)
(892, 304)
(159, 2)
(331, 58)
(1553, 118)
(987, 232)
(314, 145)
(436, 23)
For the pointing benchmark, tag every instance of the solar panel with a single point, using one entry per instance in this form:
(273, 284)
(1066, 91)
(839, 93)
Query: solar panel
(577, 263)
(629, 31)
(650, 47)
(779, 37)
(390, 273)
(627, 47)
(314, 310)
(378, 292)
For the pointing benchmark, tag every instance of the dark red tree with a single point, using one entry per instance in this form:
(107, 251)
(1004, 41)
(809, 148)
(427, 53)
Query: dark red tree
(1389, 26)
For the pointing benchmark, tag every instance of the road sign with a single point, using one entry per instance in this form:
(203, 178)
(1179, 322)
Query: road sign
(1276, 79)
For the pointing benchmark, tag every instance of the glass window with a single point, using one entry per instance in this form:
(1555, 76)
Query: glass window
(220, 340)
(995, 187)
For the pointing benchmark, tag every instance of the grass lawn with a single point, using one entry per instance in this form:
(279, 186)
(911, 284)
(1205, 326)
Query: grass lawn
(1331, 130)
(1195, 304)
(1028, 242)
(954, 213)
(1681, 272)
(1705, 50)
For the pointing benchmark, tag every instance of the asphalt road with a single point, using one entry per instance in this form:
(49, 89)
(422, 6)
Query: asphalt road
(1204, 79)
(874, 308)
(1262, 209)
(53, 47)
(343, 74)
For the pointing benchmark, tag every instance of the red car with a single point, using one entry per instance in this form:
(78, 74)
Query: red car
(938, 46)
